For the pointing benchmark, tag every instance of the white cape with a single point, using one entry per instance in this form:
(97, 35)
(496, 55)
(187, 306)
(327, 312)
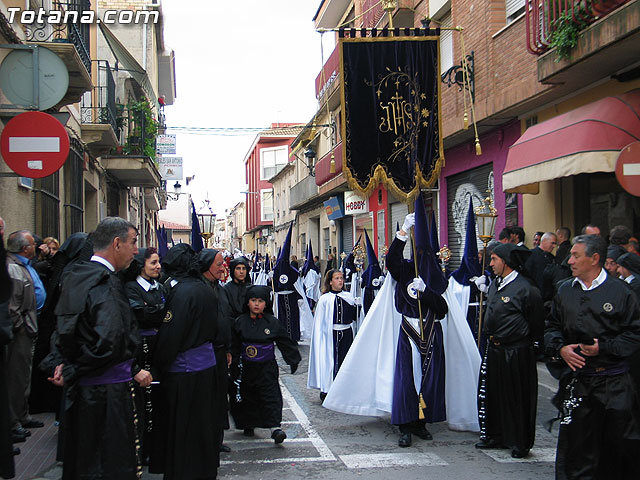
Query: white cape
(364, 384)
(306, 317)
(312, 285)
(462, 361)
(320, 373)
(262, 278)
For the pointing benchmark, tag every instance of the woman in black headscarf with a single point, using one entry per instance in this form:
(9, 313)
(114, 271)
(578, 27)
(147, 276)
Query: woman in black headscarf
(147, 298)
(45, 397)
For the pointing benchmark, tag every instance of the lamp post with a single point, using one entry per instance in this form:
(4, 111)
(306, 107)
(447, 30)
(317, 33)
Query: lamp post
(486, 215)
(310, 155)
(207, 220)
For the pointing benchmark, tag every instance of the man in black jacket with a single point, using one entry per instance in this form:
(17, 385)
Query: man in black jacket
(97, 342)
(541, 256)
(564, 244)
(508, 389)
(595, 328)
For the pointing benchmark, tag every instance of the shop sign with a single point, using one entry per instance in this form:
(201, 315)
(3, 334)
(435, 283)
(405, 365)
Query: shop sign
(333, 208)
(170, 168)
(166, 144)
(354, 204)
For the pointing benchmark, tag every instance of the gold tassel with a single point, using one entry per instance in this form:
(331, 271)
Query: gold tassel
(332, 166)
(421, 406)
(466, 121)
(478, 148)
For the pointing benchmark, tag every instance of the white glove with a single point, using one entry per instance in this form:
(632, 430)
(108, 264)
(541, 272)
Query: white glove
(270, 274)
(419, 285)
(347, 271)
(481, 282)
(409, 221)
(381, 278)
(358, 301)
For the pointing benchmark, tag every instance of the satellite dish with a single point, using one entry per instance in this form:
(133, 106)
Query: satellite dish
(16, 78)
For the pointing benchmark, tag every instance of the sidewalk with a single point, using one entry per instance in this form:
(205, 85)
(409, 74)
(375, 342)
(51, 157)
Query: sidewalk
(38, 452)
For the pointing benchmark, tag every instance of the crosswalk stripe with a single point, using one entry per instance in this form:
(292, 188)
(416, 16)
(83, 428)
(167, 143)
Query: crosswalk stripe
(378, 460)
(535, 455)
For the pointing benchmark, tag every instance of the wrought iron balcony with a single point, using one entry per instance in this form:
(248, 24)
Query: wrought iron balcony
(99, 106)
(58, 31)
(101, 128)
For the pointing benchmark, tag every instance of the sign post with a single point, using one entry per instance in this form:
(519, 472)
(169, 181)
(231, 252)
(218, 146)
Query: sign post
(34, 144)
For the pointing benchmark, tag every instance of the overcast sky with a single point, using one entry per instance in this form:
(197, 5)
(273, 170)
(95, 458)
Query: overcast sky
(238, 64)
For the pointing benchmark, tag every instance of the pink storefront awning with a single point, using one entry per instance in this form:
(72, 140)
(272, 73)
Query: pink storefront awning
(585, 140)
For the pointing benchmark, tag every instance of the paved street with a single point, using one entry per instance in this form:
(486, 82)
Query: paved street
(327, 445)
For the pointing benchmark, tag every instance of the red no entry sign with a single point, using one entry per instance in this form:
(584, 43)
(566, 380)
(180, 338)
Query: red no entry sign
(628, 168)
(34, 144)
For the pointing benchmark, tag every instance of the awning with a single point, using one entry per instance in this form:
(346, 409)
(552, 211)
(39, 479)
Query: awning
(129, 64)
(585, 140)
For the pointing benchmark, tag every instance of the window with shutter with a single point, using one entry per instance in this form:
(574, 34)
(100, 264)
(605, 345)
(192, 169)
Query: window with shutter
(514, 9)
(446, 43)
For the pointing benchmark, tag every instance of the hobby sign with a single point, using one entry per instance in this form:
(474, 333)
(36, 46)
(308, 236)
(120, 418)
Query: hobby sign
(34, 144)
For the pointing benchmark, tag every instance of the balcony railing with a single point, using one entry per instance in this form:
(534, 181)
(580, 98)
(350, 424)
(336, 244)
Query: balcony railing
(329, 73)
(64, 26)
(99, 106)
(546, 18)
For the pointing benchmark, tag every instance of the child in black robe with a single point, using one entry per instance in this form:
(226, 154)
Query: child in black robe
(255, 396)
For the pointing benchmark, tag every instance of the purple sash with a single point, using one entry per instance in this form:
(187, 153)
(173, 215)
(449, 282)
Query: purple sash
(257, 352)
(149, 332)
(117, 374)
(195, 359)
(617, 369)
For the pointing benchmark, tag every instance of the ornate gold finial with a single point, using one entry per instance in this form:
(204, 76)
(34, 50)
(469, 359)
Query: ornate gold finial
(389, 5)
(444, 254)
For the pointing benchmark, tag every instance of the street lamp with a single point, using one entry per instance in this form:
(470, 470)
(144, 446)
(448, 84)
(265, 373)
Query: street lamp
(207, 219)
(310, 155)
(487, 216)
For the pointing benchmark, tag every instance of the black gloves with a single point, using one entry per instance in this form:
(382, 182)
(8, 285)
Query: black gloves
(294, 368)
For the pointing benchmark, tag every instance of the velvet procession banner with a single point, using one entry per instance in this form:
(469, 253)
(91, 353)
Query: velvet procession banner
(391, 126)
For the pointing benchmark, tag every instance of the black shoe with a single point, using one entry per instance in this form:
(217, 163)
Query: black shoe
(20, 430)
(224, 448)
(517, 453)
(33, 424)
(16, 451)
(405, 440)
(17, 438)
(423, 433)
(322, 396)
(278, 436)
(487, 444)
(248, 432)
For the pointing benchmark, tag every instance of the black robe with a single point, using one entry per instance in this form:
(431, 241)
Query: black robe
(96, 331)
(508, 387)
(603, 435)
(188, 425)
(148, 307)
(259, 403)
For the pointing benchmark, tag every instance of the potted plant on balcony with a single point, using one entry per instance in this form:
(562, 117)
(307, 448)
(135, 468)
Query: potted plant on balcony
(143, 128)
